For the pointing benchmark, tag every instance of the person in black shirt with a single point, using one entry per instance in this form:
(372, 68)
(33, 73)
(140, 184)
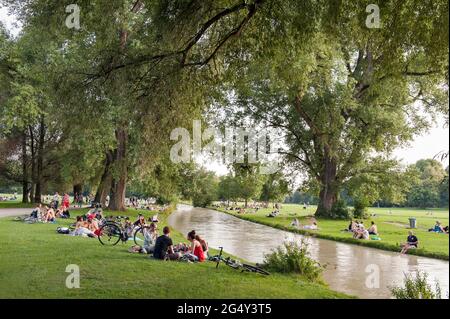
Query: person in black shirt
(164, 246)
(411, 242)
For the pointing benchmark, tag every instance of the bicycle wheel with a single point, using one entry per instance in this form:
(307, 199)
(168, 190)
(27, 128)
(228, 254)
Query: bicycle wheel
(232, 263)
(139, 236)
(258, 270)
(109, 234)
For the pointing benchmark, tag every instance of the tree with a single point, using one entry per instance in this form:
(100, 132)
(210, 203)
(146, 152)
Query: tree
(275, 188)
(248, 180)
(427, 190)
(228, 188)
(345, 96)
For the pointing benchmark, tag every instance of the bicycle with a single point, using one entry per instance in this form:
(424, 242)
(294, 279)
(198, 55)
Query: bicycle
(28, 219)
(236, 264)
(112, 231)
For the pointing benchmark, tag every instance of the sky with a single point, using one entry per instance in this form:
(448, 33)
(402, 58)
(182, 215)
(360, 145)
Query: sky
(426, 146)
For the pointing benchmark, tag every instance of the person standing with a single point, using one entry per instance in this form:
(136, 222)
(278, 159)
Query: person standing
(56, 200)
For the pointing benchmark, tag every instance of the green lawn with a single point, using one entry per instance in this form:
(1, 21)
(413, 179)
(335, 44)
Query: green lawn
(34, 258)
(392, 225)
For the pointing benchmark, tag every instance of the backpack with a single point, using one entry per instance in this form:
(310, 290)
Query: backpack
(63, 230)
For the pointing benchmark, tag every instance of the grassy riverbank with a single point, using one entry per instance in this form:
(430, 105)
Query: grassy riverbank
(34, 259)
(392, 226)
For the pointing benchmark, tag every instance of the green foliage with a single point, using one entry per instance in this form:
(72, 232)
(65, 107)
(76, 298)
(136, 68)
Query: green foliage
(416, 288)
(340, 210)
(293, 258)
(360, 208)
(275, 188)
(429, 190)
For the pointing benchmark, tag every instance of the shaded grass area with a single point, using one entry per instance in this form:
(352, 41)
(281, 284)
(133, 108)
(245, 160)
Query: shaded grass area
(34, 259)
(392, 225)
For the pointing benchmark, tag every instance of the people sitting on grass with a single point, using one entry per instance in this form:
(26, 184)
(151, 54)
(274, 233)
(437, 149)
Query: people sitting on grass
(150, 236)
(412, 242)
(361, 233)
(196, 252)
(164, 247)
(437, 228)
(62, 212)
(37, 212)
(49, 216)
(373, 229)
(82, 228)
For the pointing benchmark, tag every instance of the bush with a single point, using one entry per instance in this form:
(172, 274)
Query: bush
(293, 258)
(416, 288)
(340, 210)
(360, 209)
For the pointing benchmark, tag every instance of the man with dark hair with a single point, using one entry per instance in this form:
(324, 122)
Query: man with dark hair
(164, 246)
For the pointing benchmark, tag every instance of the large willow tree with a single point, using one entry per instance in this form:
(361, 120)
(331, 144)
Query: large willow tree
(344, 95)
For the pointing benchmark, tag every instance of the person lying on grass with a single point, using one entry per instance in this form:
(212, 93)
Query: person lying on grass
(412, 242)
(164, 247)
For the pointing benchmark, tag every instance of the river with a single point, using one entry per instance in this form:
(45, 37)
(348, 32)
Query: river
(360, 271)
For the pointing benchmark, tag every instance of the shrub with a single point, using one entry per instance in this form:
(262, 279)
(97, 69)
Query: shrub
(360, 209)
(416, 288)
(340, 210)
(293, 258)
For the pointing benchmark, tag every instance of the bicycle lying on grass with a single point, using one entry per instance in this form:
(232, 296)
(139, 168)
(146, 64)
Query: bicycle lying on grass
(236, 264)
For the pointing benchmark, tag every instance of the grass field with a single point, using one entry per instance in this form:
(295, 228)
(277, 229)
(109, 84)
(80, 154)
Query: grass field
(392, 225)
(34, 259)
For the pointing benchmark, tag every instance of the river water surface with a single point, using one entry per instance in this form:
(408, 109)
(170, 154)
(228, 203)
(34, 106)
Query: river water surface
(350, 268)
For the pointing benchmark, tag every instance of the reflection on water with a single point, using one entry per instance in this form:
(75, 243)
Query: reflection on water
(348, 266)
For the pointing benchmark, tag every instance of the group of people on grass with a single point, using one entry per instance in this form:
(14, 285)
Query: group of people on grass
(361, 232)
(438, 228)
(48, 214)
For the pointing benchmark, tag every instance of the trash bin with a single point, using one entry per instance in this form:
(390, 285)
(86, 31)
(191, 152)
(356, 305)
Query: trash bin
(412, 222)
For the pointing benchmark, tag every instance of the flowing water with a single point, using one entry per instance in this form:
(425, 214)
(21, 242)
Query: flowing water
(350, 268)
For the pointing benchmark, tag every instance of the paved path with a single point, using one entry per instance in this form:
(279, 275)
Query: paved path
(7, 212)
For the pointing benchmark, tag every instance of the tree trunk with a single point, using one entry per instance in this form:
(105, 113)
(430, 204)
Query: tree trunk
(77, 190)
(105, 181)
(329, 191)
(40, 162)
(119, 181)
(33, 163)
(24, 169)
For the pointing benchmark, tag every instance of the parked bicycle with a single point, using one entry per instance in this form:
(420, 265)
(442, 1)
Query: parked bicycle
(236, 264)
(112, 231)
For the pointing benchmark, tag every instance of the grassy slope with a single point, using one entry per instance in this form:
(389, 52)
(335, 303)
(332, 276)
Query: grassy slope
(392, 227)
(34, 258)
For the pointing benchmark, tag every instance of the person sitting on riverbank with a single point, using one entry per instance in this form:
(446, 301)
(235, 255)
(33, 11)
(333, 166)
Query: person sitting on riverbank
(150, 236)
(196, 252)
(412, 242)
(164, 247)
(273, 214)
(437, 228)
(373, 229)
(295, 223)
(361, 233)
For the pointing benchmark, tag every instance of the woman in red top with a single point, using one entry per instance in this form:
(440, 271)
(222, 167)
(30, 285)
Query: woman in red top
(66, 200)
(196, 247)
